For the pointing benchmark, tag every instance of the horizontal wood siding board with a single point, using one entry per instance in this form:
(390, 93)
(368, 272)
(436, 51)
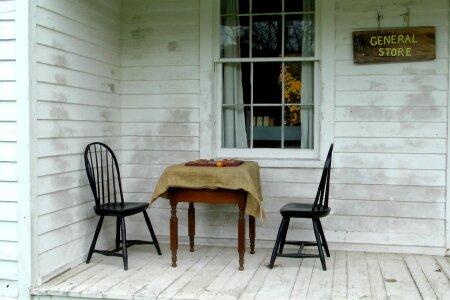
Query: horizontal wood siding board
(76, 95)
(76, 128)
(160, 73)
(74, 45)
(8, 231)
(7, 70)
(8, 89)
(390, 145)
(391, 129)
(8, 151)
(8, 211)
(161, 115)
(160, 87)
(390, 177)
(8, 10)
(101, 36)
(416, 193)
(7, 50)
(65, 146)
(392, 83)
(8, 30)
(390, 114)
(160, 129)
(9, 270)
(81, 13)
(160, 143)
(8, 250)
(390, 161)
(8, 171)
(62, 181)
(171, 100)
(66, 77)
(58, 58)
(8, 110)
(65, 111)
(9, 191)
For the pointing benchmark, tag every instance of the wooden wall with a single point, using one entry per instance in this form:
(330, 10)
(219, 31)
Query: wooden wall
(78, 101)
(160, 97)
(8, 158)
(390, 130)
(129, 74)
(390, 135)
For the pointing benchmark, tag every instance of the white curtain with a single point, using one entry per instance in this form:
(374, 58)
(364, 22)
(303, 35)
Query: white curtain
(233, 121)
(307, 100)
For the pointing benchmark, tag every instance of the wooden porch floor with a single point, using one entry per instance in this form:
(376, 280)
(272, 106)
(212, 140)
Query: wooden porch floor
(211, 272)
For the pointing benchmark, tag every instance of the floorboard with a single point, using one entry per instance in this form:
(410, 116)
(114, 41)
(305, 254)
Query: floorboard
(211, 272)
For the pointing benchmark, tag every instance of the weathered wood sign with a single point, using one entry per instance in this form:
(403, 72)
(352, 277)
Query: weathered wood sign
(394, 45)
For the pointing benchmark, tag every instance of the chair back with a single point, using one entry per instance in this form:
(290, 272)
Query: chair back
(321, 201)
(103, 173)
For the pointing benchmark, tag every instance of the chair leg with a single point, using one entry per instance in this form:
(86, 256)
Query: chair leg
(283, 234)
(124, 244)
(319, 244)
(117, 233)
(277, 243)
(152, 233)
(94, 240)
(322, 235)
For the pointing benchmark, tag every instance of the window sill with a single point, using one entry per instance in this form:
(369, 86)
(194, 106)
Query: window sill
(287, 163)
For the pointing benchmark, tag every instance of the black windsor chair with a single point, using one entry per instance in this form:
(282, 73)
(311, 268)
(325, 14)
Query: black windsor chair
(314, 211)
(104, 178)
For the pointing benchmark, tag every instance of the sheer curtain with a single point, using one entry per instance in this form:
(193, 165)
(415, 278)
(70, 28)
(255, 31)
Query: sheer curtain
(233, 121)
(307, 111)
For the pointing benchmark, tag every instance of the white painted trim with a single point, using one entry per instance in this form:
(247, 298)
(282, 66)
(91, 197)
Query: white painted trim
(24, 20)
(324, 91)
(206, 78)
(447, 194)
(327, 21)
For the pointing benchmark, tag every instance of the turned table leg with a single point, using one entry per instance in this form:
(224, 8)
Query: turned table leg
(241, 235)
(251, 225)
(174, 232)
(191, 225)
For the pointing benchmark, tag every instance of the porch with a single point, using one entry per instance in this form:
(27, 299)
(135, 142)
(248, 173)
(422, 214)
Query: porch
(211, 272)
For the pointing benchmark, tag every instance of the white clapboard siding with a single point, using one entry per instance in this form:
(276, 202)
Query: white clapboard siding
(390, 131)
(8, 153)
(391, 98)
(78, 102)
(129, 75)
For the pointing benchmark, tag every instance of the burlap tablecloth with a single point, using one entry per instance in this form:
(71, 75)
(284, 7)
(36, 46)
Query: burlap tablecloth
(245, 177)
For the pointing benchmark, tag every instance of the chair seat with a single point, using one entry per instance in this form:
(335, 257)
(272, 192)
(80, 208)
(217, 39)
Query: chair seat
(303, 210)
(118, 209)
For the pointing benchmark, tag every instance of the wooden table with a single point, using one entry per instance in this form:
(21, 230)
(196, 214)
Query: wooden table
(219, 196)
(229, 185)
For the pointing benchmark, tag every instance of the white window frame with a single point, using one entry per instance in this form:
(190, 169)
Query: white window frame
(210, 89)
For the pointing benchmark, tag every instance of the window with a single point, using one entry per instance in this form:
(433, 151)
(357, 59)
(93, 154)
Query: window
(266, 70)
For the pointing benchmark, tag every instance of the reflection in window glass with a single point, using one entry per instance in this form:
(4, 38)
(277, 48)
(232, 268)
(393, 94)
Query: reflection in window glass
(266, 36)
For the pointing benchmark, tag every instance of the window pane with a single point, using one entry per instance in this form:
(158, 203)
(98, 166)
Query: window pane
(235, 115)
(299, 35)
(266, 6)
(234, 39)
(292, 82)
(298, 5)
(266, 37)
(267, 83)
(267, 127)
